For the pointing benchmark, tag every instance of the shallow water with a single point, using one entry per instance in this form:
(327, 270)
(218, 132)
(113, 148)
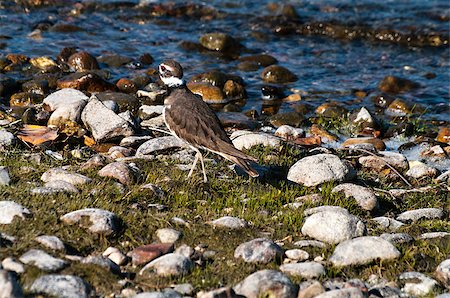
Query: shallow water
(328, 69)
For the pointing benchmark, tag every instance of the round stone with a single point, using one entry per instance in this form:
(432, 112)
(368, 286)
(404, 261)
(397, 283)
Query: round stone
(260, 250)
(266, 283)
(306, 270)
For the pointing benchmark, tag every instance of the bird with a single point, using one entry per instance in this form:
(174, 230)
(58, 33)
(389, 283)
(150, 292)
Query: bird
(190, 119)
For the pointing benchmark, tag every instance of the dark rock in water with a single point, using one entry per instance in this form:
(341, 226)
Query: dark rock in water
(114, 60)
(234, 90)
(272, 92)
(65, 28)
(278, 74)
(237, 120)
(146, 59)
(85, 81)
(83, 61)
(37, 86)
(231, 108)
(393, 84)
(220, 42)
(260, 60)
(290, 118)
(248, 66)
(382, 100)
(289, 12)
(215, 78)
(331, 110)
(400, 108)
(126, 85)
(66, 53)
(192, 46)
(8, 86)
(25, 99)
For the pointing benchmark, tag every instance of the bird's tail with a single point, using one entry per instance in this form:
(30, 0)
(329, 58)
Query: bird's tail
(244, 163)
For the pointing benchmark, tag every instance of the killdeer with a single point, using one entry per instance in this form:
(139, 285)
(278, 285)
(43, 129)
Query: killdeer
(190, 119)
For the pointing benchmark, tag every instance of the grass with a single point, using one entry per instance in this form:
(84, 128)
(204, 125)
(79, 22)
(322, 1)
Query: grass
(258, 202)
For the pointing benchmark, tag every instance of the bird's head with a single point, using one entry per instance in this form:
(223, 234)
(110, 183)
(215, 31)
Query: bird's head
(171, 73)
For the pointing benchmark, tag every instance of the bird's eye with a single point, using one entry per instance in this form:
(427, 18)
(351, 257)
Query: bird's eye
(162, 67)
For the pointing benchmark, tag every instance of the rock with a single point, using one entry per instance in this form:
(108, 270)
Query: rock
(44, 63)
(433, 235)
(82, 61)
(115, 255)
(342, 293)
(364, 196)
(443, 273)
(278, 74)
(419, 214)
(318, 169)
(310, 289)
(259, 60)
(61, 286)
(400, 108)
(159, 144)
(324, 208)
(9, 285)
(443, 135)
(104, 124)
(417, 284)
(4, 176)
(86, 81)
(123, 102)
(114, 60)
(100, 221)
(39, 86)
(234, 90)
(331, 110)
(363, 250)
(184, 289)
(225, 292)
(12, 264)
(146, 253)
(53, 187)
(393, 84)
(237, 120)
(102, 262)
(360, 142)
(147, 112)
(120, 171)
(42, 260)
(60, 174)
(51, 242)
(266, 283)
(134, 141)
(95, 161)
(245, 139)
(25, 99)
(10, 209)
(296, 254)
(168, 235)
(6, 139)
(167, 293)
(289, 133)
(66, 104)
(310, 243)
(388, 223)
(220, 42)
(378, 163)
(229, 222)
(289, 118)
(260, 250)
(333, 226)
(419, 170)
(397, 238)
(305, 270)
(325, 136)
(209, 93)
(169, 265)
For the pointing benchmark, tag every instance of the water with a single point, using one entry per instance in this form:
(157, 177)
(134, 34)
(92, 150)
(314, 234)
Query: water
(328, 69)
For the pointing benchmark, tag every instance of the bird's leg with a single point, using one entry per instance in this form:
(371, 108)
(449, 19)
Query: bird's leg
(205, 179)
(193, 165)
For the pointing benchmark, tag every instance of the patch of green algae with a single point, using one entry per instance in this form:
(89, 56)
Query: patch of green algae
(258, 202)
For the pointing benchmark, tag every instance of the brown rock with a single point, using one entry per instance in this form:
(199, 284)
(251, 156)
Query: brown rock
(331, 110)
(247, 66)
(65, 28)
(146, 59)
(209, 93)
(17, 58)
(321, 132)
(400, 107)
(290, 118)
(392, 84)
(66, 53)
(215, 78)
(278, 74)
(220, 42)
(146, 253)
(25, 99)
(83, 61)
(126, 85)
(443, 135)
(377, 143)
(293, 97)
(85, 81)
(259, 60)
(234, 90)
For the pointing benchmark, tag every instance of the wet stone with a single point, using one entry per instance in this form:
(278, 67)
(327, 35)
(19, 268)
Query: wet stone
(25, 99)
(259, 60)
(417, 284)
(114, 60)
(156, 145)
(120, 171)
(331, 110)
(146, 253)
(393, 84)
(82, 61)
(363, 250)
(306, 270)
(42, 260)
(4, 176)
(260, 250)
(229, 222)
(296, 254)
(220, 42)
(67, 286)
(97, 221)
(245, 139)
(60, 174)
(209, 93)
(397, 238)
(171, 264)
(333, 226)
(12, 264)
(278, 74)
(443, 272)
(51, 242)
(168, 235)
(388, 223)
(124, 102)
(266, 283)
(443, 135)
(399, 108)
(9, 285)
(289, 118)
(364, 196)
(318, 169)
(420, 214)
(9, 210)
(86, 81)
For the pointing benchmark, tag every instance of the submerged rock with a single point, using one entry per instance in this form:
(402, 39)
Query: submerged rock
(278, 74)
(220, 42)
(393, 84)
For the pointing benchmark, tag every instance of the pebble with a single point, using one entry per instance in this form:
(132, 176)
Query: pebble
(243, 139)
(159, 144)
(54, 187)
(66, 104)
(120, 171)
(146, 253)
(184, 289)
(364, 142)
(266, 283)
(419, 214)
(317, 169)
(82, 61)
(388, 223)
(342, 293)
(102, 262)
(217, 41)
(4, 176)
(6, 138)
(419, 170)
(9, 285)
(333, 226)
(289, 133)
(104, 124)
(310, 289)
(396, 160)
(115, 255)
(363, 250)
(260, 250)
(100, 221)
(56, 174)
(225, 292)
(442, 272)
(306, 270)
(297, 254)
(134, 141)
(171, 264)
(12, 264)
(433, 235)
(310, 243)
(61, 286)
(42, 260)
(229, 222)
(51, 242)
(277, 74)
(397, 238)
(417, 284)
(10, 209)
(364, 196)
(168, 235)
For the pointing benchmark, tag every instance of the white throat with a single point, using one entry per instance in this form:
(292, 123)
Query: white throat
(172, 81)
